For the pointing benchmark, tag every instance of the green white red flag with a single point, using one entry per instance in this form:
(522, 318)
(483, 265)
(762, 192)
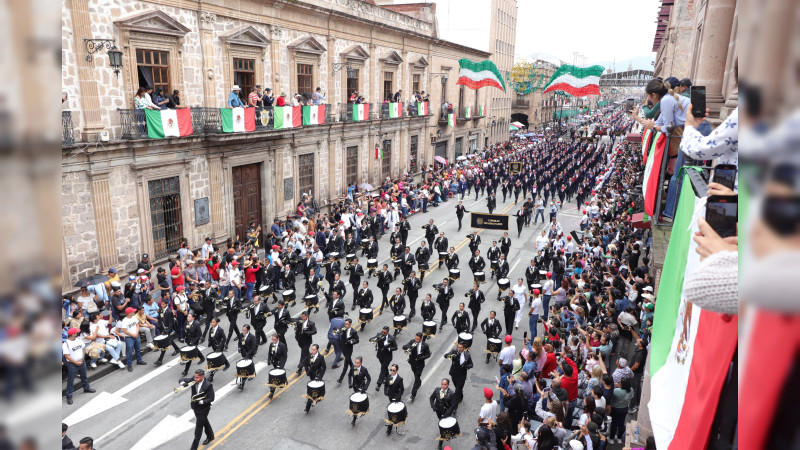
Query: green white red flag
(468, 112)
(287, 117)
(647, 141)
(575, 81)
(652, 171)
(360, 112)
(168, 123)
(395, 110)
(451, 120)
(313, 115)
(476, 75)
(238, 120)
(422, 108)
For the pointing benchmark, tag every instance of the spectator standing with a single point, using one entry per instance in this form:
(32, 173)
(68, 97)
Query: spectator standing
(233, 98)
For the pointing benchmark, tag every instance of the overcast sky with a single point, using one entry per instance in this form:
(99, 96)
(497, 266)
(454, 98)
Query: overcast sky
(601, 30)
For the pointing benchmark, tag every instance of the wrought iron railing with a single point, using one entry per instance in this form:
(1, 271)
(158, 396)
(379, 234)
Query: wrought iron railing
(347, 113)
(67, 133)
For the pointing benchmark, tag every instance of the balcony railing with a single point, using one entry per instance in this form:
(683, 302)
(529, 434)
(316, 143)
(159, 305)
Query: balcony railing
(522, 103)
(347, 113)
(67, 134)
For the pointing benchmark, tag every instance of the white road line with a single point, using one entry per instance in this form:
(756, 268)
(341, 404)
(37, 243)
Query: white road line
(432, 371)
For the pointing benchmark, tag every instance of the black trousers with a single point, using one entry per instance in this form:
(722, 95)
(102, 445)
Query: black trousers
(412, 301)
(164, 351)
(233, 328)
(384, 370)
(475, 313)
(384, 298)
(202, 423)
(460, 218)
(305, 353)
(458, 395)
(347, 365)
(417, 369)
(509, 320)
(209, 315)
(444, 309)
(260, 335)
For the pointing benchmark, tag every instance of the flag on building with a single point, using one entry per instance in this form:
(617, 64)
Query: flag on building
(652, 170)
(378, 152)
(287, 117)
(691, 349)
(360, 112)
(422, 108)
(168, 123)
(237, 120)
(482, 110)
(575, 81)
(395, 110)
(314, 115)
(475, 75)
(647, 140)
(468, 112)
(451, 120)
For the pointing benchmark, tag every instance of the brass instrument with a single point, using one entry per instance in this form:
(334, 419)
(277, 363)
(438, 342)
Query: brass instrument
(451, 355)
(471, 291)
(337, 331)
(199, 396)
(182, 388)
(438, 287)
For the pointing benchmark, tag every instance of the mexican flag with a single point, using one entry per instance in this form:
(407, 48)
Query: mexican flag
(451, 120)
(691, 349)
(476, 75)
(287, 117)
(395, 110)
(422, 108)
(651, 172)
(468, 112)
(647, 140)
(482, 110)
(378, 153)
(575, 81)
(314, 115)
(168, 123)
(238, 119)
(360, 112)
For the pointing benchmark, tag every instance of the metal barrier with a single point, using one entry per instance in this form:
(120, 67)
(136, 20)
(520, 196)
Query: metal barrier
(67, 133)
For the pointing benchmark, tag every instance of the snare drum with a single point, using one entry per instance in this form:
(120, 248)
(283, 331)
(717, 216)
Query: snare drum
(216, 360)
(350, 257)
(442, 256)
(429, 328)
(315, 390)
(399, 322)
(311, 300)
(503, 284)
(335, 255)
(190, 353)
(543, 273)
(359, 403)
(364, 243)
(246, 369)
(448, 428)
(494, 345)
(423, 266)
(288, 295)
(372, 263)
(465, 339)
(480, 277)
(536, 286)
(263, 288)
(455, 274)
(277, 378)
(161, 341)
(397, 413)
(266, 291)
(365, 315)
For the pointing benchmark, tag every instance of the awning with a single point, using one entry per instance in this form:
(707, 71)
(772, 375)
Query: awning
(638, 221)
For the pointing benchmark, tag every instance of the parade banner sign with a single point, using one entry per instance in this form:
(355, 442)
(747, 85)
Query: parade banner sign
(514, 167)
(489, 221)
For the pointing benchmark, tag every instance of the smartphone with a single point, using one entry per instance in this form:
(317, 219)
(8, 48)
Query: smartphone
(725, 174)
(525, 336)
(697, 94)
(722, 213)
(629, 102)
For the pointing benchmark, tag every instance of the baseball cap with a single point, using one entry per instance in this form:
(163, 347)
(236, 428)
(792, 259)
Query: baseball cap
(488, 393)
(508, 339)
(549, 274)
(235, 263)
(145, 256)
(140, 271)
(112, 270)
(72, 331)
(179, 288)
(129, 310)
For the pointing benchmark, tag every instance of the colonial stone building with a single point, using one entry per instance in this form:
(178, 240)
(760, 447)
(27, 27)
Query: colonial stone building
(536, 109)
(124, 194)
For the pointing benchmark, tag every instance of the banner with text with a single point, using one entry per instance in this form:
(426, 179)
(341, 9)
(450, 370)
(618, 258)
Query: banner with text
(489, 221)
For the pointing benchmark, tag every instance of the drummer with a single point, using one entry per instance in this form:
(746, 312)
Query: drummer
(423, 255)
(428, 309)
(411, 287)
(476, 263)
(491, 328)
(494, 255)
(315, 367)
(193, 337)
(394, 390)
(358, 379)
(452, 259)
(276, 357)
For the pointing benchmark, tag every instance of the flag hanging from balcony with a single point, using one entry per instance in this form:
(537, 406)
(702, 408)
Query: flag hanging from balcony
(378, 152)
(451, 120)
(575, 81)
(482, 110)
(422, 109)
(237, 120)
(360, 112)
(168, 123)
(468, 112)
(647, 139)
(476, 75)
(287, 117)
(651, 173)
(313, 115)
(395, 110)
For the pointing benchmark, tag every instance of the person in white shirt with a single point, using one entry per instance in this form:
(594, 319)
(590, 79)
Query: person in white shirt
(207, 248)
(534, 313)
(235, 276)
(99, 327)
(547, 293)
(507, 355)
(488, 414)
(72, 350)
(541, 241)
(129, 327)
(521, 296)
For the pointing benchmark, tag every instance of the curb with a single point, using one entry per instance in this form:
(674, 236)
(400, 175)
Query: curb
(95, 374)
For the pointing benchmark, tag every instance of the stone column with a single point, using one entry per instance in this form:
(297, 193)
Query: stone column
(330, 83)
(275, 56)
(217, 207)
(335, 165)
(713, 51)
(207, 20)
(87, 76)
(279, 194)
(101, 201)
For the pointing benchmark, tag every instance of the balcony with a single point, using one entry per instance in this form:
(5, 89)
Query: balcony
(67, 133)
(521, 103)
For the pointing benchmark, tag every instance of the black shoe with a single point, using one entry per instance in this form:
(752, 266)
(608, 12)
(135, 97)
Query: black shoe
(225, 349)
(89, 391)
(143, 363)
(349, 386)
(487, 359)
(412, 397)
(175, 352)
(157, 363)
(69, 400)
(211, 377)
(378, 387)
(388, 430)
(227, 366)
(298, 372)
(271, 394)
(130, 369)
(339, 381)
(208, 440)
(185, 372)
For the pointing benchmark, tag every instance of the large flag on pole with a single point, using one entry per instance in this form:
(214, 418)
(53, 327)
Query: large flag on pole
(652, 171)
(475, 75)
(691, 349)
(575, 81)
(168, 123)
(237, 120)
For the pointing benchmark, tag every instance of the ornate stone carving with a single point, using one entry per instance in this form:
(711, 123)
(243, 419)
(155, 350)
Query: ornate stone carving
(277, 32)
(208, 17)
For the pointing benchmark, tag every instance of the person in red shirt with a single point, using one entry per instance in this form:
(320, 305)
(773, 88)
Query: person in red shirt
(569, 381)
(550, 363)
(213, 268)
(250, 270)
(177, 276)
(281, 101)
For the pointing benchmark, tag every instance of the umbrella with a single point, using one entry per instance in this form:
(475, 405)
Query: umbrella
(461, 158)
(92, 280)
(365, 186)
(512, 128)
(517, 124)
(440, 160)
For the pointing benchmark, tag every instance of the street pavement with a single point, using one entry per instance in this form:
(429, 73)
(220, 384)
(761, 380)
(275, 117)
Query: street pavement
(139, 410)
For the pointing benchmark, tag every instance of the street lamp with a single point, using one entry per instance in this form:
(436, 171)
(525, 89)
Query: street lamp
(114, 54)
(351, 73)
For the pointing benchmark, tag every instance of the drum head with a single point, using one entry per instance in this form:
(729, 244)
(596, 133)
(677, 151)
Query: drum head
(358, 397)
(495, 341)
(465, 336)
(263, 288)
(350, 255)
(277, 372)
(316, 384)
(188, 348)
(536, 286)
(214, 355)
(396, 407)
(162, 337)
(429, 323)
(372, 261)
(443, 253)
(310, 297)
(289, 292)
(542, 272)
(448, 422)
(399, 318)
(478, 274)
(503, 281)
(334, 254)
(244, 363)
(365, 310)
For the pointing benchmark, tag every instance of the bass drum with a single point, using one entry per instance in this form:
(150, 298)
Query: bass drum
(359, 403)
(397, 413)
(448, 428)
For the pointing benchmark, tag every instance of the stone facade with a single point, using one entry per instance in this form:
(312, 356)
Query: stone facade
(538, 107)
(502, 40)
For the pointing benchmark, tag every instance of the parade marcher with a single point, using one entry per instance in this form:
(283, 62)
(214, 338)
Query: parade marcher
(315, 368)
(461, 320)
(276, 357)
(460, 210)
(202, 397)
(356, 272)
(476, 298)
(216, 341)
(348, 337)
(460, 363)
(443, 299)
(423, 256)
(411, 287)
(441, 246)
(505, 244)
(385, 278)
(234, 307)
(258, 319)
(358, 379)
(443, 400)
(494, 256)
(194, 336)
(385, 344)
(417, 351)
(428, 309)
(304, 330)
(282, 320)
(492, 329)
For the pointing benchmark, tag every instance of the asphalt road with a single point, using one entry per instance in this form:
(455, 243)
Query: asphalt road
(139, 410)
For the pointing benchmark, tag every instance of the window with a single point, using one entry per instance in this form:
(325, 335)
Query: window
(386, 162)
(415, 83)
(461, 97)
(352, 84)
(165, 215)
(305, 179)
(387, 85)
(244, 74)
(153, 69)
(458, 146)
(305, 79)
(413, 163)
(351, 174)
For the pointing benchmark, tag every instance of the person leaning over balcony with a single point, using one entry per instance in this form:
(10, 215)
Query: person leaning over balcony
(140, 101)
(281, 101)
(174, 100)
(233, 98)
(353, 97)
(252, 97)
(268, 99)
(318, 97)
(159, 100)
(148, 93)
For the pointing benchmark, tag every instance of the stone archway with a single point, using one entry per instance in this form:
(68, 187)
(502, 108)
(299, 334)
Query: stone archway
(521, 118)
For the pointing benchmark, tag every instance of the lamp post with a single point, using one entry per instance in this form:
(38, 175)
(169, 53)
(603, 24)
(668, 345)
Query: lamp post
(95, 45)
